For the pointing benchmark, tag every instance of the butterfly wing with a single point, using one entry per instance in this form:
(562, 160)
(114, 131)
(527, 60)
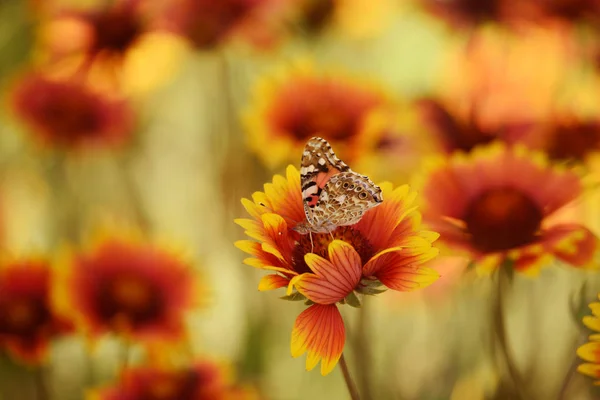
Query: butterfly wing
(344, 200)
(319, 164)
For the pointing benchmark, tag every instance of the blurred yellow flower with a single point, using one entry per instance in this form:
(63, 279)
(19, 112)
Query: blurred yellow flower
(496, 204)
(590, 351)
(386, 249)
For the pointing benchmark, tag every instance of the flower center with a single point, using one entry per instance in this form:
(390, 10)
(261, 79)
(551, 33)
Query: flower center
(316, 14)
(575, 142)
(116, 30)
(22, 317)
(130, 297)
(320, 244)
(70, 115)
(502, 219)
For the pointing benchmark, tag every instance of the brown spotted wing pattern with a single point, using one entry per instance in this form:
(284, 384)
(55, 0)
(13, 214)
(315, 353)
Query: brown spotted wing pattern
(333, 195)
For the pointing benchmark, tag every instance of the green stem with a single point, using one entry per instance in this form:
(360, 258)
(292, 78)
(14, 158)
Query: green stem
(362, 351)
(348, 379)
(562, 393)
(499, 328)
(41, 387)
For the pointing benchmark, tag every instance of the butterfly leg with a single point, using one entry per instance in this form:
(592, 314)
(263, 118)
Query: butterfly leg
(331, 234)
(312, 245)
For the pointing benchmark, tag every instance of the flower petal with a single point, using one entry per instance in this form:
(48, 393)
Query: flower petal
(592, 322)
(573, 244)
(592, 370)
(332, 280)
(319, 330)
(590, 352)
(413, 247)
(401, 270)
(273, 281)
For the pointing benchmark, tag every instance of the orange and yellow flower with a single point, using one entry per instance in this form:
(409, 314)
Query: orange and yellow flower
(203, 380)
(129, 287)
(208, 24)
(385, 249)
(590, 351)
(28, 321)
(291, 107)
(497, 204)
(65, 113)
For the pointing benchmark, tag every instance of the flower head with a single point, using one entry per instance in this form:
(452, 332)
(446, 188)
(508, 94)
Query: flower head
(289, 109)
(590, 351)
(203, 380)
(496, 204)
(385, 249)
(28, 321)
(207, 24)
(129, 287)
(65, 113)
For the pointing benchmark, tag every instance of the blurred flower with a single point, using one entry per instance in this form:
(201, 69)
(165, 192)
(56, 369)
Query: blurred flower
(467, 12)
(118, 45)
(202, 381)
(207, 23)
(353, 18)
(496, 204)
(28, 321)
(567, 138)
(290, 108)
(129, 287)
(65, 113)
(386, 248)
(590, 351)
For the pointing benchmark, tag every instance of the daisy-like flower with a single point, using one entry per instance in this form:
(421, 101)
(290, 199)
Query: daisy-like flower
(590, 351)
(385, 249)
(116, 46)
(129, 287)
(66, 113)
(291, 107)
(28, 321)
(567, 139)
(496, 204)
(208, 24)
(203, 380)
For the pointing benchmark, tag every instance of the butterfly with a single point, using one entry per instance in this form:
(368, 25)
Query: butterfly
(332, 194)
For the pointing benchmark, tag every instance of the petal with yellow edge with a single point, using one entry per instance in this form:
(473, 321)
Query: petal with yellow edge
(404, 272)
(319, 330)
(271, 282)
(574, 244)
(332, 280)
(592, 322)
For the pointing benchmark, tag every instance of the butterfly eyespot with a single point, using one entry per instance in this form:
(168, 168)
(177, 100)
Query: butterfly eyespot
(362, 195)
(346, 185)
(351, 187)
(358, 189)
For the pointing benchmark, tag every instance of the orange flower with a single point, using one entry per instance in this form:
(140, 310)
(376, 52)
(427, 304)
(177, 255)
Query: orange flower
(290, 108)
(385, 249)
(207, 24)
(69, 114)
(132, 288)
(202, 381)
(591, 351)
(496, 204)
(27, 320)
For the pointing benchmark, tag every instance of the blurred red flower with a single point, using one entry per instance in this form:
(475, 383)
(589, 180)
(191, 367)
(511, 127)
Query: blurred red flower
(202, 381)
(131, 288)
(66, 113)
(28, 320)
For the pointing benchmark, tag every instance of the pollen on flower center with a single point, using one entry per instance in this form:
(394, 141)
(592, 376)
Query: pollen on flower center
(321, 241)
(503, 218)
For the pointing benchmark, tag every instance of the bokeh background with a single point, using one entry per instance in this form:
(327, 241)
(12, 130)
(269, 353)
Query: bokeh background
(207, 100)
